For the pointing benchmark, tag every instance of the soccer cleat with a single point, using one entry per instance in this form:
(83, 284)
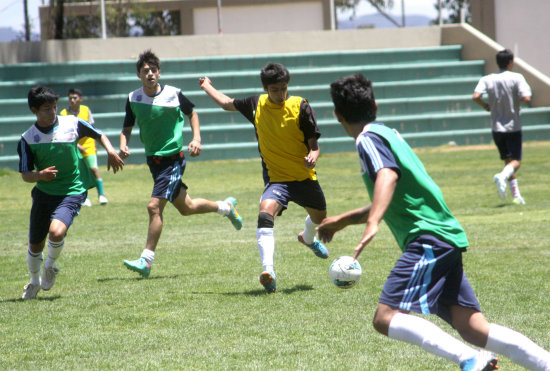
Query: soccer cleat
(501, 185)
(233, 215)
(103, 200)
(518, 200)
(141, 266)
(483, 361)
(268, 281)
(317, 247)
(87, 203)
(48, 278)
(30, 291)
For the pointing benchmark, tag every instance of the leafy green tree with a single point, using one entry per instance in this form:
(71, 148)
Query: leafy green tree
(453, 8)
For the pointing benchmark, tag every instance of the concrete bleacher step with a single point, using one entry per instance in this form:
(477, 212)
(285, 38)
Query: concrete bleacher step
(50, 72)
(248, 78)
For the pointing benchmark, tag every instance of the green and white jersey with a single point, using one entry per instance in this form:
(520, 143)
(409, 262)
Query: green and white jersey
(40, 148)
(417, 207)
(160, 119)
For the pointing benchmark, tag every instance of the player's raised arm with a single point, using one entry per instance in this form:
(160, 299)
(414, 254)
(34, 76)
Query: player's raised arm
(217, 96)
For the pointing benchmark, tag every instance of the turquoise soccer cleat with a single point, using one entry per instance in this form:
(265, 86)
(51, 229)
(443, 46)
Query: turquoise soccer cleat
(233, 215)
(317, 247)
(268, 281)
(141, 266)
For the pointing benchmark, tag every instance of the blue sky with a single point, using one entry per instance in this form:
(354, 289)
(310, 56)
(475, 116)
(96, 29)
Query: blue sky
(11, 11)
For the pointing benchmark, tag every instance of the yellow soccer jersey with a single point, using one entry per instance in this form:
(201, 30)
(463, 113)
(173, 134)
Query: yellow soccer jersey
(86, 142)
(282, 132)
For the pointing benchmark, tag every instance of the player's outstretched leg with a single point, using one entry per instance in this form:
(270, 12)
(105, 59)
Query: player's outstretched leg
(483, 361)
(233, 215)
(268, 281)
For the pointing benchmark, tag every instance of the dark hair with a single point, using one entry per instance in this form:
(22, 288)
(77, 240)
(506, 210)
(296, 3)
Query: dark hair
(504, 57)
(39, 95)
(148, 57)
(353, 98)
(274, 73)
(75, 91)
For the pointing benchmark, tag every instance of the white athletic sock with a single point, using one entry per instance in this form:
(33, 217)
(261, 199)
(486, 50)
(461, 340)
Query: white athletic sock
(266, 245)
(514, 188)
(223, 208)
(518, 347)
(34, 262)
(54, 250)
(148, 255)
(507, 172)
(421, 332)
(309, 231)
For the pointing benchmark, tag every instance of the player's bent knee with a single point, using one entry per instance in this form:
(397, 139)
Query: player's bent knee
(265, 220)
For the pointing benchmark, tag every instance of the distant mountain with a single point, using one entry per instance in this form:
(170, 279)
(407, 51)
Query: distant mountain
(379, 21)
(7, 34)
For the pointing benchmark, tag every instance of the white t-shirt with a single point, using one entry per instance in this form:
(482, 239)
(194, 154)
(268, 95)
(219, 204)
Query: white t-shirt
(505, 89)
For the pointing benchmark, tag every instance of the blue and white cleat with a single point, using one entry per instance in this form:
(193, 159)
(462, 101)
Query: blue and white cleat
(141, 266)
(483, 361)
(269, 281)
(317, 247)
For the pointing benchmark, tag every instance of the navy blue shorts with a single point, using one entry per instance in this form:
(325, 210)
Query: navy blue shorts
(509, 144)
(428, 278)
(46, 207)
(167, 173)
(306, 193)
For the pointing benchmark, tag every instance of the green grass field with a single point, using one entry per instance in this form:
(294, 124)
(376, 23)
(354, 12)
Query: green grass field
(203, 308)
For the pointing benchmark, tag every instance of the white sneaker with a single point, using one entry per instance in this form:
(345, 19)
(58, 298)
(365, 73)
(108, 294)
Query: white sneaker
(87, 203)
(103, 200)
(518, 200)
(48, 278)
(30, 291)
(501, 186)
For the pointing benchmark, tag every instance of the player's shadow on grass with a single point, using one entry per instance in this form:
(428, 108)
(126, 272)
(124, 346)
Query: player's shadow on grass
(136, 278)
(286, 291)
(39, 298)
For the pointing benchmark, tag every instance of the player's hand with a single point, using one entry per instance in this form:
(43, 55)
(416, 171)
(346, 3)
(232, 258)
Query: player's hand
(204, 81)
(310, 161)
(328, 227)
(47, 174)
(114, 161)
(124, 152)
(194, 148)
(370, 231)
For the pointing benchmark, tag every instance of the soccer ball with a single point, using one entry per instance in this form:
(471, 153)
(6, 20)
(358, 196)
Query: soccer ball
(345, 272)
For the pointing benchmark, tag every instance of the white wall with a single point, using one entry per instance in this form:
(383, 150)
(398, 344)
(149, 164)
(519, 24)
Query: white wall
(246, 19)
(523, 27)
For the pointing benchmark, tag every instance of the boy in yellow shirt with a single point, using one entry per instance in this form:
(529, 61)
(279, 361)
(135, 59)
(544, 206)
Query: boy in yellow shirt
(86, 145)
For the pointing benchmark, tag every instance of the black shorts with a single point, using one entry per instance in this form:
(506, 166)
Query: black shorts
(46, 208)
(167, 173)
(428, 278)
(306, 193)
(509, 144)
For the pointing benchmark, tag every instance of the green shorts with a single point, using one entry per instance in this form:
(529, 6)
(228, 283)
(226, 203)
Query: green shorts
(91, 161)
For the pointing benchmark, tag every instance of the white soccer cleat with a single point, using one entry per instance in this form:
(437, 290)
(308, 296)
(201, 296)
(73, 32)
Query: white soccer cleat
(87, 203)
(48, 278)
(518, 200)
(501, 186)
(30, 291)
(103, 200)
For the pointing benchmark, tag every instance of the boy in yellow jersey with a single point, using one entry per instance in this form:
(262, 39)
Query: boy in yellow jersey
(86, 145)
(287, 133)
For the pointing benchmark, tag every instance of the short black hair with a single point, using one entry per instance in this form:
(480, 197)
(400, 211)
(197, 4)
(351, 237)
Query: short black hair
(274, 73)
(353, 98)
(38, 95)
(504, 57)
(148, 57)
(75, 91)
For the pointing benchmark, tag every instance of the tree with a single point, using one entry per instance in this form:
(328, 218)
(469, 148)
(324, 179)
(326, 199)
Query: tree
(27, 23)
(345, 5)
(453, 8)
